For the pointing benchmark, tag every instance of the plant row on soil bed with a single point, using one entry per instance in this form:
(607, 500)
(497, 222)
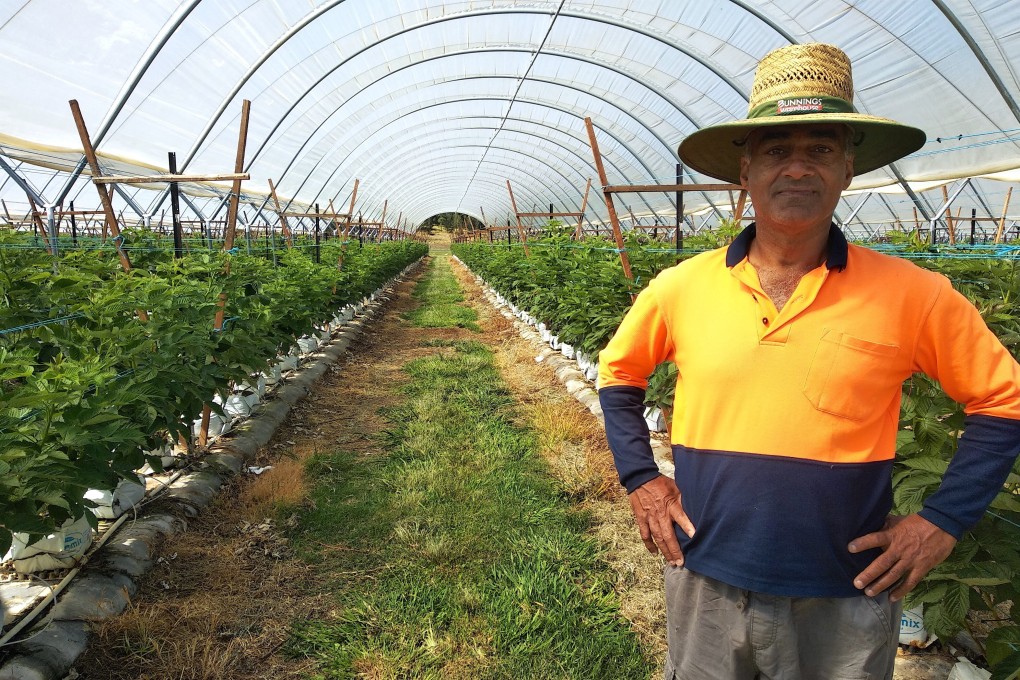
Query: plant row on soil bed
(92, 389)
(578, 291)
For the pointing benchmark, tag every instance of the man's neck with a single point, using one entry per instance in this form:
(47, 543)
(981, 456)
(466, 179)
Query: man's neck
(778, 249)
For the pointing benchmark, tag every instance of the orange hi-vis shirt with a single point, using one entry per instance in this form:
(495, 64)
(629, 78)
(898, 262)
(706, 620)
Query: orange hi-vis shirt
(784, 422)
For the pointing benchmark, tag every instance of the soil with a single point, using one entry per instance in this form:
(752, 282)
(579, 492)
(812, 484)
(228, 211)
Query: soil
(219, 601)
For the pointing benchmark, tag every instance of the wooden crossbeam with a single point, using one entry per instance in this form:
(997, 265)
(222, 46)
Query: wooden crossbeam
(638, 188)
(324, 215)
(550, 214)
(65, 213)
(148, 179)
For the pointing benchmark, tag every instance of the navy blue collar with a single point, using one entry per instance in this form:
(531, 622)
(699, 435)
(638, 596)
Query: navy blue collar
(835, 257)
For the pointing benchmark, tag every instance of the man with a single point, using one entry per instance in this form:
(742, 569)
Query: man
(792, 346)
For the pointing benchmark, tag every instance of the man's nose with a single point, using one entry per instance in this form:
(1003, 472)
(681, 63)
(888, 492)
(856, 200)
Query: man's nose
(798, 165)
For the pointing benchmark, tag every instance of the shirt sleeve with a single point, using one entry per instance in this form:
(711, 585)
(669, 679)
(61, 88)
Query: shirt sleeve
(640, 344)
(956, 348)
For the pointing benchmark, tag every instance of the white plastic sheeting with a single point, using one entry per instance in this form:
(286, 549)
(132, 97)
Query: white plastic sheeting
(433, 106)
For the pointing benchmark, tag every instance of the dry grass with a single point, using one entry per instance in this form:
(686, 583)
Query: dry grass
(216, 605)
(283, 485)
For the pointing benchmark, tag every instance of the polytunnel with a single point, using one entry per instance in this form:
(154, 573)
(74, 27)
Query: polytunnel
(436, 107)
(314, 435)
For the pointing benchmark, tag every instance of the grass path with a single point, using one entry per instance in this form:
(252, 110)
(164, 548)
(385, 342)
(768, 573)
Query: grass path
(423, 519)
(465, 559)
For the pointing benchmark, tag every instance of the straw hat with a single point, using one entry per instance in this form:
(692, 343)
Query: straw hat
(795, 85)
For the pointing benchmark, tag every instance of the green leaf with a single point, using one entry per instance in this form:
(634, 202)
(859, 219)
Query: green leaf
(1008, 668)
(1001, 643)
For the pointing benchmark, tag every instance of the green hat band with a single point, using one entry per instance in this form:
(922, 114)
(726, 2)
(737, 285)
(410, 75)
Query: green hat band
(795, 106)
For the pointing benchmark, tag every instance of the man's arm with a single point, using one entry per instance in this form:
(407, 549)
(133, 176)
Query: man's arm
(957, 348)
(654, 499)
(641, 343)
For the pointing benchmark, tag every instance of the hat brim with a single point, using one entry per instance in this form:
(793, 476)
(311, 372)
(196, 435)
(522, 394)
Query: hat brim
(716, 151)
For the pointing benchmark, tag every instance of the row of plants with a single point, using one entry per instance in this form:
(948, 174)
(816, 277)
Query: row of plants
(99, 366)
(578, 289)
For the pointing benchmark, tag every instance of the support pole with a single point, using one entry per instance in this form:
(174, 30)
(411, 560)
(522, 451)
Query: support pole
(1002, 220)
(283, 217)
(235, 192)
(617, 234)
(350, 210)
(317, 253)
(104, 194)
(949, 216)
(520, 227)
(175, 208)
(37, 223)
(679, 209)
(74, 226)
(579, 231)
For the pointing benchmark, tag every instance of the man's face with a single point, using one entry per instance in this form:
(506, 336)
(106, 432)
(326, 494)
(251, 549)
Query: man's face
(795, 174)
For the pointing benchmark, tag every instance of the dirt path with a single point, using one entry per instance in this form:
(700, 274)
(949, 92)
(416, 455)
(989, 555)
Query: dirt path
(220, 599)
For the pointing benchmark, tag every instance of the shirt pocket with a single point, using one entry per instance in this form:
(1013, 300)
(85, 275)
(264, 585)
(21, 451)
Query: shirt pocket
(851, 377)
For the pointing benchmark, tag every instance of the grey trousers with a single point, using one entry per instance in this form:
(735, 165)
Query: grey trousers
(718, 632)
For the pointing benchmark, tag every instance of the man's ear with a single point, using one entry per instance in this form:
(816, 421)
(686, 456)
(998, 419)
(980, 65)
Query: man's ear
(849, 171)
(743, 172)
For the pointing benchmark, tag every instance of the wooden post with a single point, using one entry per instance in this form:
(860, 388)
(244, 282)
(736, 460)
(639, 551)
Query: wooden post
(738, 214)
(235, 194)
(1002, 220)
(617, 234)
(283, 218)
(228, 244)
(579, 231)
(949, 216)
(350, 210)
(520, 227)
(37, 223)
(104, 195)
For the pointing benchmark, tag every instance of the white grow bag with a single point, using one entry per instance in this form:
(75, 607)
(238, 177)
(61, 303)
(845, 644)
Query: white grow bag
(113, 504)
(272, 374)
(308, 344)
(59, 550)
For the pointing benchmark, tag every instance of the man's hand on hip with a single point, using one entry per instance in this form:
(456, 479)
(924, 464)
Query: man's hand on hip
(911, 547)
(656, 506)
